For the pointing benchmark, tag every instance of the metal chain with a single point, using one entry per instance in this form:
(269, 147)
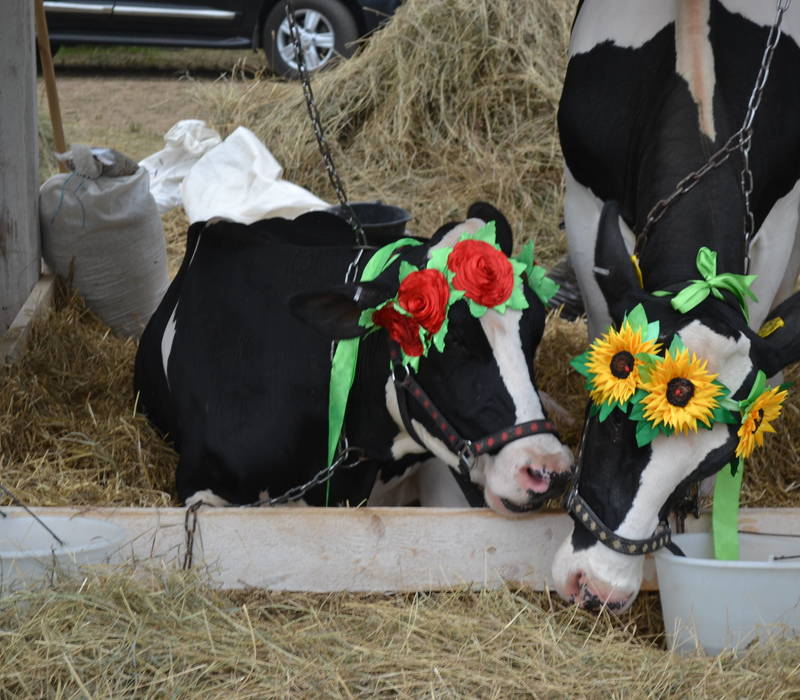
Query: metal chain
(313, 113)
(323, 475)
(740, 141)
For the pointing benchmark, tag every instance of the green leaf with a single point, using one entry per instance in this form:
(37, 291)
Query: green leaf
(438, 261)
(645, 433)
(486, 233)
(477, 310)
(525, 255)
(606, 409)
(517, 299)
(406, 268)
(438, 339)
(661, 293)
(578, 363)
(676, 346)
(637, 318)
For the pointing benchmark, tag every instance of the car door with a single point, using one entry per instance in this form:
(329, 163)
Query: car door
(185, 22)
(78, 18)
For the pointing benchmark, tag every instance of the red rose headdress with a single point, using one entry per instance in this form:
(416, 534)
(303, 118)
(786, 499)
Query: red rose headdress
(474, 269)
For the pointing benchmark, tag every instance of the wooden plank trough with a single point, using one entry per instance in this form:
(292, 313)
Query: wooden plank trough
(365, 549)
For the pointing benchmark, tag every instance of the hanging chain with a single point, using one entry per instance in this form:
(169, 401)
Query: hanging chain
(739, 141)
(347, 458)
(324, 147)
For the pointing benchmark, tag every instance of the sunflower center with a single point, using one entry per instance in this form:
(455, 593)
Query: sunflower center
(679, 391)
(758, 419)
(622, 364)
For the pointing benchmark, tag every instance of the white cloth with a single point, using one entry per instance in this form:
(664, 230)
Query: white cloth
(241, 180)
(184, 144)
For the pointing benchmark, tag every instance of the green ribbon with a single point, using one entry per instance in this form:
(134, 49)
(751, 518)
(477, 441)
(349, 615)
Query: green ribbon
(343, 369)
(712, 283)
(725, 514)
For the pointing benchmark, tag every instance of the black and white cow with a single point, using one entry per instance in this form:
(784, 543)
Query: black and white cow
(652, 88)
(240, 384)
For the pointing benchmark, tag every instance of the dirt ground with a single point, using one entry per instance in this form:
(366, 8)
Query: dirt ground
(127, 98)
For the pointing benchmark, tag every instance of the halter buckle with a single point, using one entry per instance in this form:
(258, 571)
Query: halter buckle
(466, 457)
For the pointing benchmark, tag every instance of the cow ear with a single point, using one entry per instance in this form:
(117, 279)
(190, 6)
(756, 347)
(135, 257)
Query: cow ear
(503, 233)
(335, 312)
(781, 346)
(612, 262)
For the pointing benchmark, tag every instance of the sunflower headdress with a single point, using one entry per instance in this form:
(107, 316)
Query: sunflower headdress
(673, 393)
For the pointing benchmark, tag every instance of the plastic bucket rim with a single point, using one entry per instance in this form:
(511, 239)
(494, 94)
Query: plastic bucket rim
(98, 542)
(665, 555)
(404, 215)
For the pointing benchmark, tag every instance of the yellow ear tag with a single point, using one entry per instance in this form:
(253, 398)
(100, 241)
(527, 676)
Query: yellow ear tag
(637, 269)
(770, 327)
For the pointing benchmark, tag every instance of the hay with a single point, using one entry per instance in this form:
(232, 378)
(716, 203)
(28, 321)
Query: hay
(452, 102)
(170, 636)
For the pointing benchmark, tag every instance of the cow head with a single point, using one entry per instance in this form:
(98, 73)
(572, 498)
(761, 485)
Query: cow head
(631, 474)
(464, 321)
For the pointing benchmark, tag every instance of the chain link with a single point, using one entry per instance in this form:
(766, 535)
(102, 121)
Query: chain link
(741, 141)
(316, 121)
(356, 454)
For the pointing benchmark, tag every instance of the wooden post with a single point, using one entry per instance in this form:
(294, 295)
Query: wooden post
(20, 249)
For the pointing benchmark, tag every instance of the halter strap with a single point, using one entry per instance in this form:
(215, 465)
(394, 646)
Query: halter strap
(407, 386)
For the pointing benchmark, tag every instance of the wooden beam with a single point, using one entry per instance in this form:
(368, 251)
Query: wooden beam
(19, 162)
(366, 549)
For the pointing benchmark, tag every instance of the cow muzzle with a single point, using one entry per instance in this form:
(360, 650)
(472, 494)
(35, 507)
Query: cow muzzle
(526, 474)
(596, 577)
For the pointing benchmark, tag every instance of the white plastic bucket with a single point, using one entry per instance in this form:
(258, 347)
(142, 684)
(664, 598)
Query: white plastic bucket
(29, 554)
(727, 604)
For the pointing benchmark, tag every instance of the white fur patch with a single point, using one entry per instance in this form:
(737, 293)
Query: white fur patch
(167, 339)
(763, 12)
(625, 23)
(207, 497)
(775, 256)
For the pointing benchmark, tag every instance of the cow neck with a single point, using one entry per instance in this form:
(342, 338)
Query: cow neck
(467, 451)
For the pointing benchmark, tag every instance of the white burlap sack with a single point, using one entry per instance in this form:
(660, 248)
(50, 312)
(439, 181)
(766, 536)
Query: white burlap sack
(100, 227)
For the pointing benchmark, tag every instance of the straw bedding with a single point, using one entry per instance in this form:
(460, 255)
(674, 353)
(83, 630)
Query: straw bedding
(171, 636)
(454, 101)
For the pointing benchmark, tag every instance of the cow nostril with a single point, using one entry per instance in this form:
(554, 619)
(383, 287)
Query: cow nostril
(532, 479)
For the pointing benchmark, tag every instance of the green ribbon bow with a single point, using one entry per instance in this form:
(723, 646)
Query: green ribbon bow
(712, 283)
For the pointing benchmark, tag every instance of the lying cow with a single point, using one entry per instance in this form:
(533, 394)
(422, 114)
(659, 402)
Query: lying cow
(652, 89)
(231, 369)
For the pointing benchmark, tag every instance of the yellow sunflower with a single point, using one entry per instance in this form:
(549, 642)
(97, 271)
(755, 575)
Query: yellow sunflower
(680, 392)
(612, 362)
(756, 421)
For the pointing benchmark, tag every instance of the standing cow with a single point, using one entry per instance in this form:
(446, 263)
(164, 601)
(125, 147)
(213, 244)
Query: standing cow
(231, 369)
(653, 88)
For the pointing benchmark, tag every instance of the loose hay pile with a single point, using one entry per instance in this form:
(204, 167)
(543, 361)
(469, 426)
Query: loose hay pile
(173, 637)
(454, 101)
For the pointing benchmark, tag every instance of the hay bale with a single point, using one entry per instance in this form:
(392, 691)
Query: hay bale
(451, 102)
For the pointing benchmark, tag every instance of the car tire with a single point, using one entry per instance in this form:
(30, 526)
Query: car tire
(328, 30)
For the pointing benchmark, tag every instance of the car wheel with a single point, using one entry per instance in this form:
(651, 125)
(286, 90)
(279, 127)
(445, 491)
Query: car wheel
(327, 30)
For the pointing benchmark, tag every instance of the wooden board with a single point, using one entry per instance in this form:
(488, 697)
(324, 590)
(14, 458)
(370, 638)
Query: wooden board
(366, 549)
(38, 304)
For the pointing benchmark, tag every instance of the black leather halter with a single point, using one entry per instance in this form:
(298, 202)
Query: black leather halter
(585, 515)
(467, 450)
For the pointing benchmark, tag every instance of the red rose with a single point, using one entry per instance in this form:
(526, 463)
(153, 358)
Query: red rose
(483, 272)
(424, 295)
(404, 330)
